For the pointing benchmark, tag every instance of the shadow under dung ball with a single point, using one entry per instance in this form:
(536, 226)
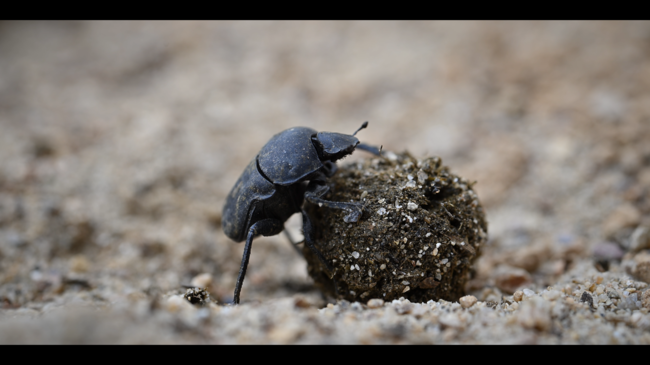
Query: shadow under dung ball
(421, 231)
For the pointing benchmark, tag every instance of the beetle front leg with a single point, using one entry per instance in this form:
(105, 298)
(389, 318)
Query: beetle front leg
(314, 193)
(265, 227)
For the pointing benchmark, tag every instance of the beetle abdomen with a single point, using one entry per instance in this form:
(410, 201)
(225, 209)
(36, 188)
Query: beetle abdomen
(250, 187)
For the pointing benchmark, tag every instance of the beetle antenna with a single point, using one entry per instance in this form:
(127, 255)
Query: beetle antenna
(364, 125)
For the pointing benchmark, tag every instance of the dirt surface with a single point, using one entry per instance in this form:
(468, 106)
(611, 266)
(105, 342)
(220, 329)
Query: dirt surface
(120, 141)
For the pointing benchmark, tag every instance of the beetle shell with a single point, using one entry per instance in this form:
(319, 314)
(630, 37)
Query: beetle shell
(250, 187)
(289, 156)
(258, 199)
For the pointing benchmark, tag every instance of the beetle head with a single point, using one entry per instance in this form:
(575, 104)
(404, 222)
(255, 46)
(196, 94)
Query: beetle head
(334, 146)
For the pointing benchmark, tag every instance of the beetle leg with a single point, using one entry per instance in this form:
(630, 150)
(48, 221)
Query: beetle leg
(309, 240)
(265, 227)
(315, 191)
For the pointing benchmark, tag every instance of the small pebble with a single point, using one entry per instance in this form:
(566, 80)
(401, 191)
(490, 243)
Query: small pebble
(509, 279)
(202, 280)
(528, 292)
(79, 264)
(375, 303)
(625, 215)
(467, 301)
(422, 177)
(176, 303)
(551, 294)
(608, 251)
(640, 239)
(518, 296)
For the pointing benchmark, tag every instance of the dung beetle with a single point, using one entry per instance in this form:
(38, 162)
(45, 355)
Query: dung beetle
(292, 167)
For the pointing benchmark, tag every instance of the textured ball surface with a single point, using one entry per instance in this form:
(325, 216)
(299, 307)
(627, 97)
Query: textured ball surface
(421, 230)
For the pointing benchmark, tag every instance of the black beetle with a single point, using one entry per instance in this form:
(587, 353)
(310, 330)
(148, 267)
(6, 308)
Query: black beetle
(292, 167)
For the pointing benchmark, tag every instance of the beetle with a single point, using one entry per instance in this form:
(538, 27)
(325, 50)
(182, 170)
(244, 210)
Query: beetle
(292, 167)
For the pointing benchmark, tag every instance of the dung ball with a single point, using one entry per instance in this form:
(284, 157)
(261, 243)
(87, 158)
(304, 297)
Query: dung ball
(421, 231)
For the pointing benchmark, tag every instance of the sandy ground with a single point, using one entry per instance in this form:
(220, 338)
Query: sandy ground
(119, 142)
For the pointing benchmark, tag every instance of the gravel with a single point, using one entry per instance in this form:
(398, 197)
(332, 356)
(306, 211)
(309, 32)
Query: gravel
(121, 140)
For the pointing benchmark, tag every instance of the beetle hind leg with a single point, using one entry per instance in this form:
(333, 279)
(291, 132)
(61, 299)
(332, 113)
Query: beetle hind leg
(265, 227)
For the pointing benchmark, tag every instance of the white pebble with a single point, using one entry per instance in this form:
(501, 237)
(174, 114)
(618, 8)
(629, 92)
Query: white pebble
(467, 301)
(375, 303)
(202, 280)
(528, 292)
(411, 206)
(390, 155)
(422, 177)
(176, 303)
(355, 254)
(551, 294)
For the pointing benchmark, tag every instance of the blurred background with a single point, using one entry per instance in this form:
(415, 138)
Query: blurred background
(119, 142)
